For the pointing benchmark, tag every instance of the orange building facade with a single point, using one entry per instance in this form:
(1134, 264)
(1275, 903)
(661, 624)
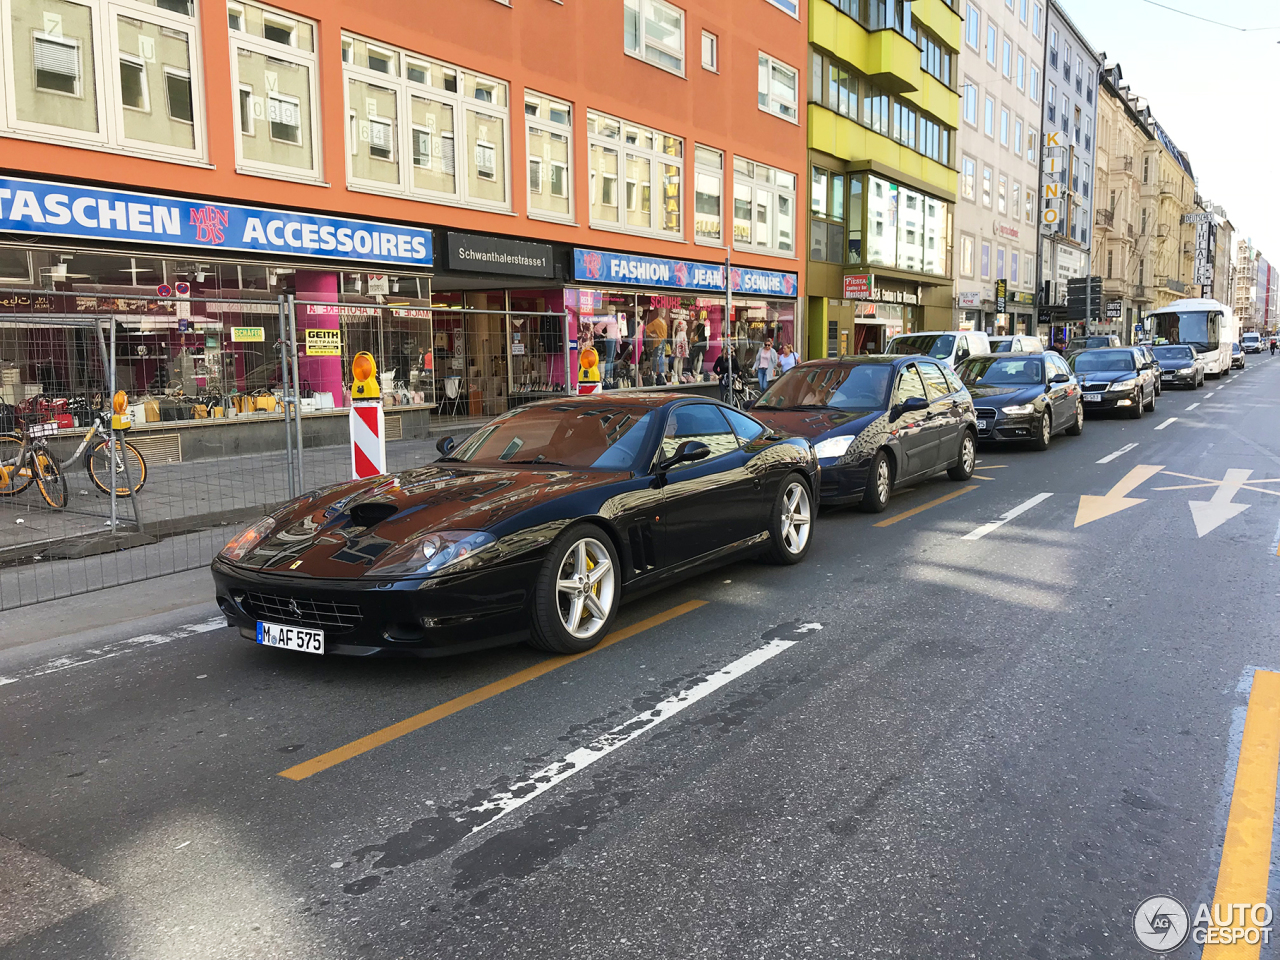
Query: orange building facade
(504, 200)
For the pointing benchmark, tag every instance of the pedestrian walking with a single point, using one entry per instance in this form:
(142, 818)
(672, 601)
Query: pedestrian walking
(1273, 346)
(766, 362)
(788, 358)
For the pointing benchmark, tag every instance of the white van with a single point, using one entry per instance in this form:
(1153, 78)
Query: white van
(951, 346)
(1018, 343)
(1251, 342)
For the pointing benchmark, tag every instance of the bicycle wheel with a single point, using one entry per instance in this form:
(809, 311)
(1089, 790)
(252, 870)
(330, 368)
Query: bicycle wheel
(49, 478)
(100, 470)
(15, 467)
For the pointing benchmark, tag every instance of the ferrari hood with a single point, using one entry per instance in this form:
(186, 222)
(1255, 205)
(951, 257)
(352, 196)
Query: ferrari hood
(342, 531)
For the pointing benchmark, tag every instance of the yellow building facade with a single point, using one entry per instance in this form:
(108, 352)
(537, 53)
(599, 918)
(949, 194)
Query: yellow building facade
(882, 115)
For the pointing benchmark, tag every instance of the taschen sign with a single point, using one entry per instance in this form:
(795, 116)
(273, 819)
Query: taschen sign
(91, 213)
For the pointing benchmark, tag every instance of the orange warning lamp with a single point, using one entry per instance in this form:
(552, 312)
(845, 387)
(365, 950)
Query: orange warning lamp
(365, 374)
(119, 411)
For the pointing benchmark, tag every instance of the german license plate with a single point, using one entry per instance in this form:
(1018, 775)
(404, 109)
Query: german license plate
(1093, 397)
(982, 424)
(302, 639)
(1166, 376)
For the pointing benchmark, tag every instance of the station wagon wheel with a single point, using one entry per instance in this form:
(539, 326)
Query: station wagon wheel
(967, 459)
(1044, 432)
(577, 592)
(791, 525)
(1077, 422)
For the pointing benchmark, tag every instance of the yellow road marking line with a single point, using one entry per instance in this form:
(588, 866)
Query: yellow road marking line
(427, 717)
(1246, 850)
(976, 477)
(923, 507)
(993, 466)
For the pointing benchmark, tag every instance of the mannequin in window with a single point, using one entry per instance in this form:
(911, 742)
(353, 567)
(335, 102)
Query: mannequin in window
(608, 327)
(698, 348)
(681, 348)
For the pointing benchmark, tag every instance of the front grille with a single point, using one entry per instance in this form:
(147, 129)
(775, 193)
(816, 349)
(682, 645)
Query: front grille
(989, 415)
(298, 611)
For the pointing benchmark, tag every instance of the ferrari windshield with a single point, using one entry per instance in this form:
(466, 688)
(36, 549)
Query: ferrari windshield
(604, 436)
(845, 386)
(1001, 371)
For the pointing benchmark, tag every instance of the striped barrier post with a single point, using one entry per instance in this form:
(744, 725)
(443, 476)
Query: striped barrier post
(367, 423)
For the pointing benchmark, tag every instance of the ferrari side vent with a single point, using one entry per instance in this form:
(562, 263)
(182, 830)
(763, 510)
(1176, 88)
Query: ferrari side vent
(641, 541)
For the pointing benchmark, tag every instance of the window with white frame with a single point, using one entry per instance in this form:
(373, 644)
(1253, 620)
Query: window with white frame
(710, 52)
(971, 102)
(967, 177)
(636, 177)
(274, 73)
(986, 186)
(654, 31)
(779, 89)
(708, 195)
(989, 117)
(122, 75)
(764, 208)
(549, 147)
(433, 131)
(991, 44)
(972, 26)
(966, 256)
(1035, 84)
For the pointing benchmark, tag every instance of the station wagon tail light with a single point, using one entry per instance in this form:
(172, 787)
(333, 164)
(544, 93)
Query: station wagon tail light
(833, 447)
(242, 543)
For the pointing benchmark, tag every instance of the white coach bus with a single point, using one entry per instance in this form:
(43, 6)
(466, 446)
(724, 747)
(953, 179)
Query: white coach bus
(1207, 325)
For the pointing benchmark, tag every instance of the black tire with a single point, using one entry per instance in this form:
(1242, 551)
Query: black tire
(791, 522)
(875, 497)
(1044, 432)
(1135, 412)
(98, 465)
(1152, 406)
(548, 630)
(15, 477)
(1077, 423)
(965, 459)
(49, 479)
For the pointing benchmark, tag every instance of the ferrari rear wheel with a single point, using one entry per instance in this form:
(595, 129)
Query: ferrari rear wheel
(577, 593)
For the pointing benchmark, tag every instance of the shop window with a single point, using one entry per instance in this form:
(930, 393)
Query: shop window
(112, 74)
(651, 164)
(273, 65)
(549, 146)
(654, 32)
(708, 171)
(764, 208)
(779, 86)
(402, 105)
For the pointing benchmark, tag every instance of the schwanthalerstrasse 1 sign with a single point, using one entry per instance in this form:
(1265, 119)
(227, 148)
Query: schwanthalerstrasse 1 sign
(91, 213)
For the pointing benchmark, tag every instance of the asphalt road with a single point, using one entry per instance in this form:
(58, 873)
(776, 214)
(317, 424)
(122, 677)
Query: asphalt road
(938, 737)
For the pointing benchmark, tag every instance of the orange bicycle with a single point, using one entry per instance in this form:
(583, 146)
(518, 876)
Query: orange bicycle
(25, 457)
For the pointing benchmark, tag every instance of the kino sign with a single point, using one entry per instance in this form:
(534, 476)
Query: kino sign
(1053, 192)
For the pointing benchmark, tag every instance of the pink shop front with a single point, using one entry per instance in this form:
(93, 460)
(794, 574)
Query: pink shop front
(667, 328)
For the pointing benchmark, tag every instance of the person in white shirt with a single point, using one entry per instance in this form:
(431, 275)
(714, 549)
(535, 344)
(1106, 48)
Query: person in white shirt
(788, 358)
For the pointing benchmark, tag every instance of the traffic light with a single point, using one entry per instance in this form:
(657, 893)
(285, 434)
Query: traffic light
(364, 373)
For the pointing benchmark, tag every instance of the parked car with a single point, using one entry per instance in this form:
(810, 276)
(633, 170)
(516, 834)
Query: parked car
(1237, 357)
(1251, 342)
(1076, 344)
(537, 527)
(1115, 378)
(951, 347)
(1017, 343)
(876, 423)
(1148, 353)
(1180, 366)
(1027, 397)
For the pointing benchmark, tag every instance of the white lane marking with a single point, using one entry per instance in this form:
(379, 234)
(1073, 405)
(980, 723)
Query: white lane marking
(1167, 422)
(1111, 456)
(578, 760)
(116, 649)
(1017, 511)
(1194, 405)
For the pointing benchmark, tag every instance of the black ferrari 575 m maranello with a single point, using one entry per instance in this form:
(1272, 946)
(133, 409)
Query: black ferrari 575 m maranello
(537, 527)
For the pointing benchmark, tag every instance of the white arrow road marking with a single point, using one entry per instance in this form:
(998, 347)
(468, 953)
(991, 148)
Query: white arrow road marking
(1167, 422)
(1017, 511)
(119, 647)
(520, 793)
(1123, 450)
(1214, 512)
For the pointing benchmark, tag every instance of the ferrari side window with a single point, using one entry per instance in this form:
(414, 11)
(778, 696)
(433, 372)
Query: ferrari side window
(747, 429)
(702, 422)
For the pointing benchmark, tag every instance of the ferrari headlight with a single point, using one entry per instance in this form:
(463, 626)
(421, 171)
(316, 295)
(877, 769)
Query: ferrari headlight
(434, 552)
(1124, 384)
(243, 542)
(833, 447)
(1020, 408)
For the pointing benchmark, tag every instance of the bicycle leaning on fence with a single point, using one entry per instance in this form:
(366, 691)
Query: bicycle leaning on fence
(98, 460)
(24, 457)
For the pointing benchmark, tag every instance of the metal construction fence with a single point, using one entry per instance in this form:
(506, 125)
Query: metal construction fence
(237, 405)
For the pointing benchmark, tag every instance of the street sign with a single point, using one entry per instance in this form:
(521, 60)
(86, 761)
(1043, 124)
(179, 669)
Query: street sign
(1084, 298)
(1002, 295)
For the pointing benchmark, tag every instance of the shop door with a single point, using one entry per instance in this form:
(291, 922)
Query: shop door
(713, 502)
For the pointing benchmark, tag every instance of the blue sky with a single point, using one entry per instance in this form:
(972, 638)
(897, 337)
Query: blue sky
(1215, 91)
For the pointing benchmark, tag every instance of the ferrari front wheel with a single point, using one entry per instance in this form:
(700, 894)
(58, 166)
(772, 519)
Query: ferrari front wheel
(577, 592)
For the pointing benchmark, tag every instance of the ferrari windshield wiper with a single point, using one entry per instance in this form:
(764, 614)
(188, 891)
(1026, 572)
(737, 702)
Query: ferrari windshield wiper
(539, 460)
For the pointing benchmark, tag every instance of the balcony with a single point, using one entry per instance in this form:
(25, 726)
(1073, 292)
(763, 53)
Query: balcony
(1177, 286)
(1128, 229)
(1105, 218)
(1141, 292)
